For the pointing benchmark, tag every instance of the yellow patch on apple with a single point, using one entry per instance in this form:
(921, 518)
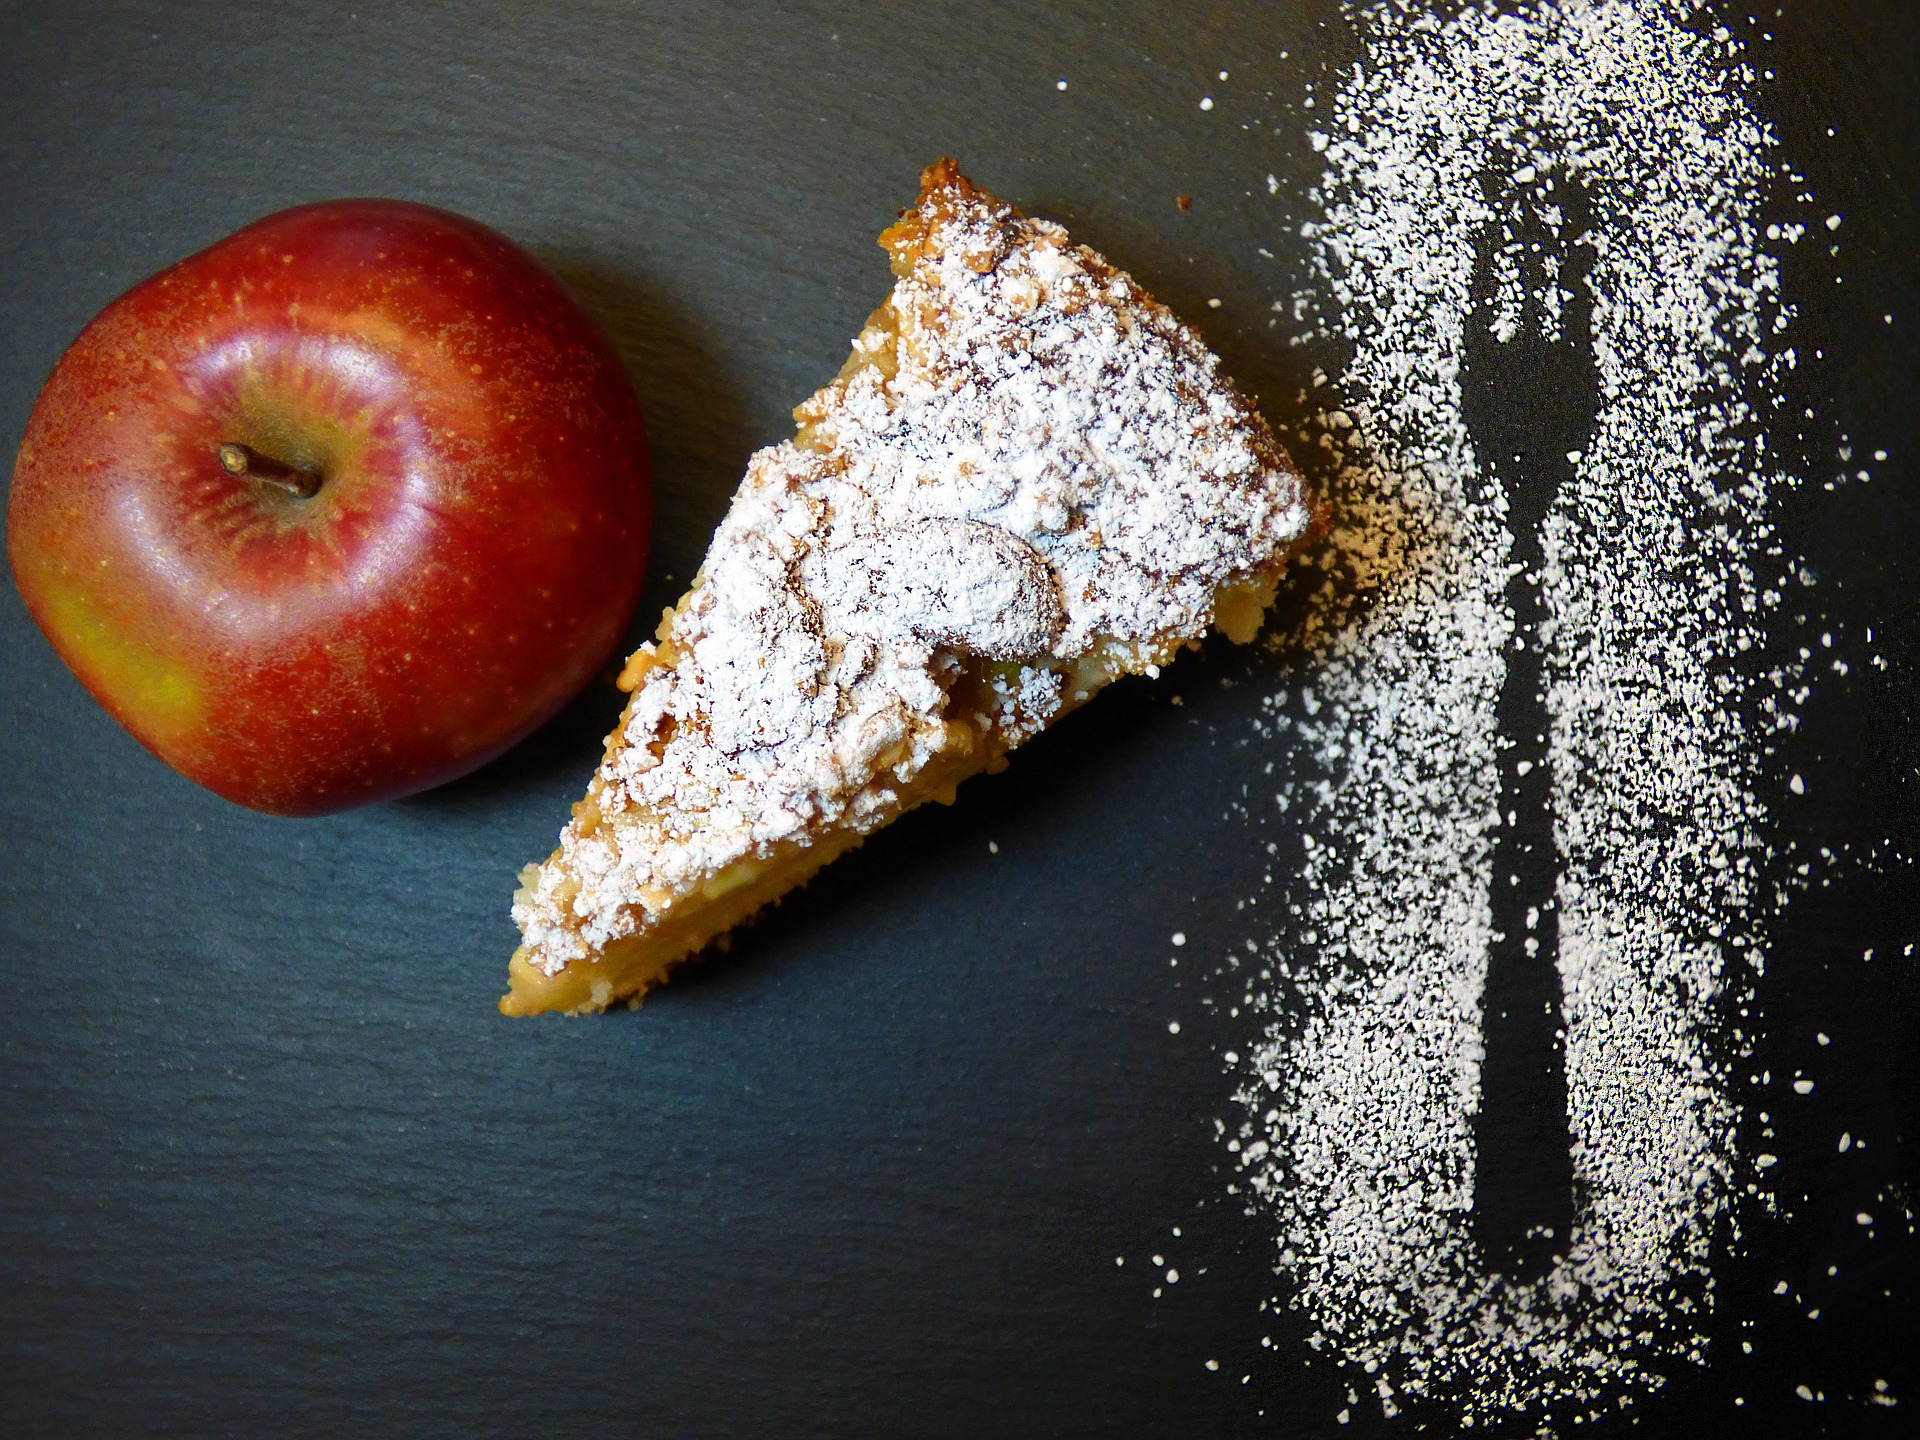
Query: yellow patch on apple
(110, 662)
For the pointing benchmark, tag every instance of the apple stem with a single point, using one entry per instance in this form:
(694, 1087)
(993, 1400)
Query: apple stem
(237, 459)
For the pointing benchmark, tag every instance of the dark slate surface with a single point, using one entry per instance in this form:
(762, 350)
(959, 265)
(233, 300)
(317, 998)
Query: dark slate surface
(269, 1161)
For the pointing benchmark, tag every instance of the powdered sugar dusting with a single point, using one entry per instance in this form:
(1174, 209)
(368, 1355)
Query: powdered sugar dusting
(959, 583)
(1619, 128)
(1030, 478)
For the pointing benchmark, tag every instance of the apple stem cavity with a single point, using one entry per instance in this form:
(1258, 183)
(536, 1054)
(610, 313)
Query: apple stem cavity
(245, 461)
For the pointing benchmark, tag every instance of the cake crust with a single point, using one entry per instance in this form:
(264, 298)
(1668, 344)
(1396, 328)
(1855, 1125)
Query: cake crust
(1028, 480)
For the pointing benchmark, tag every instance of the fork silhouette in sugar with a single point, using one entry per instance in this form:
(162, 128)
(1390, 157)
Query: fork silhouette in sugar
(1529, 393)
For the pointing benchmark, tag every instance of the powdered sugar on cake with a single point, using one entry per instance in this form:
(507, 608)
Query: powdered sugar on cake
(1029, 462)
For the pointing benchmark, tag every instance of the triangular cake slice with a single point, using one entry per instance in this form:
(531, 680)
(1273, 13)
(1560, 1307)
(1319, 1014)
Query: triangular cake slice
(1028, 480)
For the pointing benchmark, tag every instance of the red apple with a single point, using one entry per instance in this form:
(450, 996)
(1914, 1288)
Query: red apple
(468, 555)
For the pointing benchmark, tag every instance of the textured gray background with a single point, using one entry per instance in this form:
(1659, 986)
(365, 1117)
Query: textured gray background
(270, 1163)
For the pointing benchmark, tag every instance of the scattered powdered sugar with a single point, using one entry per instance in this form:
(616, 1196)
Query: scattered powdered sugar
(1029, 478)
(1596, 148)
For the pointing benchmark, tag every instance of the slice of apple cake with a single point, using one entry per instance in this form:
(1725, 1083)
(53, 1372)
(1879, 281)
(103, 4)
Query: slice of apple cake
(1028, 480)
